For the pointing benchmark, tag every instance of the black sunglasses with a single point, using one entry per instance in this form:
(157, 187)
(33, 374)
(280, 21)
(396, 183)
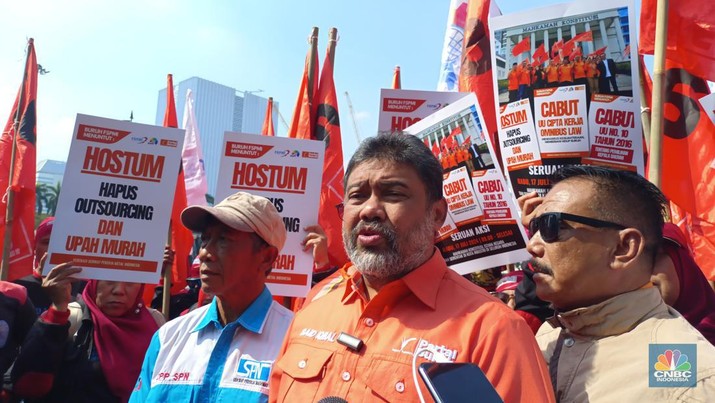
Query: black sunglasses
(548, 224)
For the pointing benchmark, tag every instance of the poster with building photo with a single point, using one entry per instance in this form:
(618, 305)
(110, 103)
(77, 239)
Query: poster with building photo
(568, 85)
(482, 228)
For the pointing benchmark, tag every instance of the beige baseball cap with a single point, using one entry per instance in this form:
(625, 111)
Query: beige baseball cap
(243, 212)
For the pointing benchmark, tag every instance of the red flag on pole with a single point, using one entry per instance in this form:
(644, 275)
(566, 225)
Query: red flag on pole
(557, 46)
(20, 132)
(303, 121)
(540, 56)
(327, 129)
(688, 151)
(476, 72)
(521, 47)
(586, 36)
(267, 129)
(598, 52)
(691, 34)
(181, 238)
(396, 79)
(435, 149)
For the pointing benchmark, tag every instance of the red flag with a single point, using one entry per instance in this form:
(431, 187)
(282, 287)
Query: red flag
(568, 48)
(626, 51)
(521, 47)
(556, 59)
(691, 34)
(476, 72)
(327, 129)
(267, 129)
(586, 36)
(598, 52)
(557, 46)
(540, 55)
(576, 52)
(303, 121)
(181, 238)
(396, 79)
(435, 149)
(24, 136)
(688, 151)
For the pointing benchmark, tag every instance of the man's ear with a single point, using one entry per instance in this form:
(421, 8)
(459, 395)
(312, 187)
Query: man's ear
(439, 209)
(268, 256)
(631, 246)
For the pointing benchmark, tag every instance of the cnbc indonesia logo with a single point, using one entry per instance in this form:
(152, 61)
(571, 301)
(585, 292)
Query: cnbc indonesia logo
(672, 365)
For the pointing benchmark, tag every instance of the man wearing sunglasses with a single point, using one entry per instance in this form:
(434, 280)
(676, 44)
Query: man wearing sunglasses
(361, 334)
(594, 240)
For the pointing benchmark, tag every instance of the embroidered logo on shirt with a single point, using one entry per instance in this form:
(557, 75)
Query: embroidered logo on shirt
(319, 335)
(253, 372)
(672, 365)
(410, 345)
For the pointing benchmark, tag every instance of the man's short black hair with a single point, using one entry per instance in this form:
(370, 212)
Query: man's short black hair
(402, 149)
(623, 197)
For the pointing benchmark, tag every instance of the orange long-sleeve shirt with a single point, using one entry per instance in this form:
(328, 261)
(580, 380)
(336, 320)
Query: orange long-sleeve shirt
(566, 73)
(579, 70)
(432, 305)
(513, 80)
(552, 74)
(525, 77)
(591, 70)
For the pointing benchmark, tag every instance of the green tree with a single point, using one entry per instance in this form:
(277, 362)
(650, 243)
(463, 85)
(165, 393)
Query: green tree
(53, 195)
(40, 197)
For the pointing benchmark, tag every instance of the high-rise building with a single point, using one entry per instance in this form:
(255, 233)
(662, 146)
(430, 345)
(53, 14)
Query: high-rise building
(50, 172)
(218, 108)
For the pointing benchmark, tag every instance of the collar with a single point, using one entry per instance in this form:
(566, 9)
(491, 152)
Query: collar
(424, 281)
(252, 319)
(614, 316)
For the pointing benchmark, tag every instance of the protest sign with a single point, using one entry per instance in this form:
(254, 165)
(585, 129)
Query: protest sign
(288, 172)
(482, 229)
(401, 108)
(574, 72)
(114, 209)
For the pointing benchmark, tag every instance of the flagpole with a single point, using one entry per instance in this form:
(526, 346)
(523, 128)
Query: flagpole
(166, 295)
(332, 40)
(656, 128)
(645, 110)
(7, 238)
(311, 63)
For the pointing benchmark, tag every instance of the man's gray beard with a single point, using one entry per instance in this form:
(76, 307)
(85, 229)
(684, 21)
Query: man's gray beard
(399, 258)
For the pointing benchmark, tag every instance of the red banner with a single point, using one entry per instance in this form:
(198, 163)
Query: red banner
(521, 47)
(691, 34)
(303, 121)
(267, 129)
(22, 184)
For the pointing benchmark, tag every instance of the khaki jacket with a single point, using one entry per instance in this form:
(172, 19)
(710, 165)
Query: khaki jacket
(600, 353)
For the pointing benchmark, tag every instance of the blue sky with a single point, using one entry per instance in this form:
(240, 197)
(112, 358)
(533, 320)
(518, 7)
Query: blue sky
(109, 58)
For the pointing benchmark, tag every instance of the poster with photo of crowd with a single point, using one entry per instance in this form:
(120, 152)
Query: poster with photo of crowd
(482, 228)
(566, 85)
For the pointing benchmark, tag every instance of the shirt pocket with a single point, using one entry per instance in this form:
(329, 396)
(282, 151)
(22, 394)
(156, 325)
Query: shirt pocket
(303, 368)
(391, 380)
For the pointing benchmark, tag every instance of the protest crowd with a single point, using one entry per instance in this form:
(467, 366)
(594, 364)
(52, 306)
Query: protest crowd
(415, 272)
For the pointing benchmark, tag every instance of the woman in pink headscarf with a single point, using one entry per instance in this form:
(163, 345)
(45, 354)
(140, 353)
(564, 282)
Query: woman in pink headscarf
(91, 351)
(682, 284)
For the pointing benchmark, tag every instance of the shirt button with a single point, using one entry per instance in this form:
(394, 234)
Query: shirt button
(346, 376)
(569, 342)
(369, 322)
(302, 364)
(400, 386)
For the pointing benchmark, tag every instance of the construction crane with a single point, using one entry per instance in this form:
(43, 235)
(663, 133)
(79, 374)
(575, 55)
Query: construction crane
(352, 115)
(282, 119)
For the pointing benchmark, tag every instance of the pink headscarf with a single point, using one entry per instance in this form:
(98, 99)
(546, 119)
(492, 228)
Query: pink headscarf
(121, 342)
(697, 298)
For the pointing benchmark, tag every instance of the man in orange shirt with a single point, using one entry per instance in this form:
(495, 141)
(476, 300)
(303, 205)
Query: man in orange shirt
(566, 72)
(513, 83)
(524, 79)
(552, 74)
(358, 332)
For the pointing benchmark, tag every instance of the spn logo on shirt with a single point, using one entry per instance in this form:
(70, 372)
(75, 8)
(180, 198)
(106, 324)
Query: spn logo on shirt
(254, 370)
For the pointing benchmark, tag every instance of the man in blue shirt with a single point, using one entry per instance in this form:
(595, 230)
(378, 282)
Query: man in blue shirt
(225, 350)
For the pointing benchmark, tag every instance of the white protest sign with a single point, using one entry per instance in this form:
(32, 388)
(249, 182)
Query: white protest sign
(289, 173)
(402, 108)
(561, 124)
(458, 191)
(613, 136)
(114, 209)
(517, 137)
